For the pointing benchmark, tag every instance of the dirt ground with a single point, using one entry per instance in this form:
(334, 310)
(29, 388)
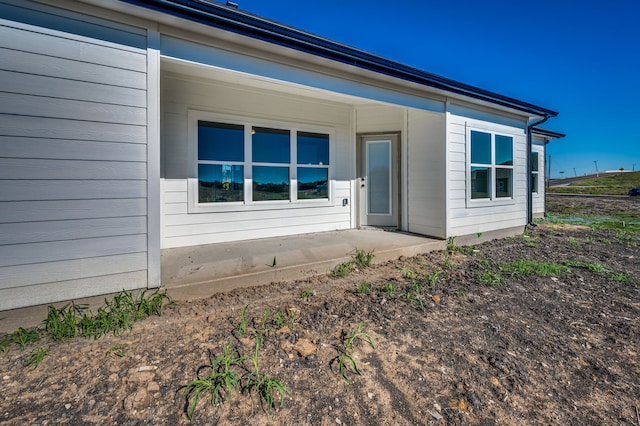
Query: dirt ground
(459, 340)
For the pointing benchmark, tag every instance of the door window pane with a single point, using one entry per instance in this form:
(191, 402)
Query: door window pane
(313, 148)
(220, 142)
(219, 183)
(270, 183)
(312, 183)
(504, 183)
(271, 145)
(480, 147)
(504, 150)
(480, 182)
(379, 178)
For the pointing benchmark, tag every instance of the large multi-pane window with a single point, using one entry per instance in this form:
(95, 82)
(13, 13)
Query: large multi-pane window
(491, 166)
(279, 164)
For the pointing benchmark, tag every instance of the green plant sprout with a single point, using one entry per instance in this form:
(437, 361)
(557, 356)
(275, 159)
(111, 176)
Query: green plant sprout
(347, 351)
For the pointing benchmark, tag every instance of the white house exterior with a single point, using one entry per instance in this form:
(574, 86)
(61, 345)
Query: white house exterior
(128, 127)
(540, 139)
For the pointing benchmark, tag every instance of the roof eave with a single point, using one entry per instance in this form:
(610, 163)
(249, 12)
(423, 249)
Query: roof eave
(240, 22)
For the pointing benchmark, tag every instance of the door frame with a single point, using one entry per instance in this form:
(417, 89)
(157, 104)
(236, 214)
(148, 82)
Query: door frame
(396, 173)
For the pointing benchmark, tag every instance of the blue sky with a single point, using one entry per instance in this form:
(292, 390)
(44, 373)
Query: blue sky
(580, 58)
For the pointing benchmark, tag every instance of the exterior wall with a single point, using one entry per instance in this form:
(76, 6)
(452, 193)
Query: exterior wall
(180, 227)
(538, 198)
(466, 217)
(73, 190)
(427, 173)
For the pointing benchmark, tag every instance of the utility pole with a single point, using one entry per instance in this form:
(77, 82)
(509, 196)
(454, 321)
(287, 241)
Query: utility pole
(597, 172)
(574, 172)
(549, 175)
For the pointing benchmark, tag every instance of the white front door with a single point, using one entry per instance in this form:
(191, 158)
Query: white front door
(379, 181)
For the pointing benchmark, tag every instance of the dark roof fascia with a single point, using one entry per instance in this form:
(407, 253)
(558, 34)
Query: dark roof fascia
(240, 22)
(547, 133)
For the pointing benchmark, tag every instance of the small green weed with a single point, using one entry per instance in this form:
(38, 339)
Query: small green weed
(343, 269)
(36, 357)
(116, 316)
(219, 382)
(573, 242)
(241, 327)
(433, 278)
(363, 258)
(117, 350)
(593, 267)
(493, 279)
(363, 288)
(268, 388)
(21, 337)
(347, 351)
(306, 294)
(534, 267)
(390, 290)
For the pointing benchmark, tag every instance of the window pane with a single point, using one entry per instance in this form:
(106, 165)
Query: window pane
(312, 183)
(480, 147)
(534, 183)
(270, 183)
(379, 177)
(534, 161)
(270, 145)
(480, 182)
(219, 183)
(313, 148)
(220, 142)
(503, 183)
(504, 150)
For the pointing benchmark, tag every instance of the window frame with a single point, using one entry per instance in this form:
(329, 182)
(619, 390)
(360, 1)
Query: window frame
(248, 204)
(493, 199)
(535, 174)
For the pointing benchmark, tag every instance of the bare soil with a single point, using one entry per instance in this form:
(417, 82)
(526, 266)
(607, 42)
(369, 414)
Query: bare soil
(533, 350)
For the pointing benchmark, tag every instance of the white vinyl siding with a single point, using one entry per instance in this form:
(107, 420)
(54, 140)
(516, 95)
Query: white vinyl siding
(181, 227)
(73, 189)
(427, 173)
(492, 215)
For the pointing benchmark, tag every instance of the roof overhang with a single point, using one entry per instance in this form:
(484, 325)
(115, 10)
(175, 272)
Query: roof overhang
(239, 22)
(547, 134)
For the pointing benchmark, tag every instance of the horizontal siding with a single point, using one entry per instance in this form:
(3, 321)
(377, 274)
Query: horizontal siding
(61, 230)
(76, 269)
(72, 169)
(41, 190)
(182, 228)
(427, 173)
(66, 149)
(24, 254)
(39, 294)
(73, 172)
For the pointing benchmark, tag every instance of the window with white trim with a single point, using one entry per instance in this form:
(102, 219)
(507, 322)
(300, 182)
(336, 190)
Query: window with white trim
(243, 164)
(534, 172)
(490, 166)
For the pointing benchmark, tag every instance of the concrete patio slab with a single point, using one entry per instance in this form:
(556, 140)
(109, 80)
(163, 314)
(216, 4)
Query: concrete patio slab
(200, 271)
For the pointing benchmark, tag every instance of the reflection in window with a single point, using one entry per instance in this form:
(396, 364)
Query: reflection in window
(534, 172)
(219, 183)
(312, 183)
(491, 168)
(480, 182)
(504, 150)
(480, 147)
(270, 183)
(270, 145)
(503, 183)
(313, 148)
(220, 142)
